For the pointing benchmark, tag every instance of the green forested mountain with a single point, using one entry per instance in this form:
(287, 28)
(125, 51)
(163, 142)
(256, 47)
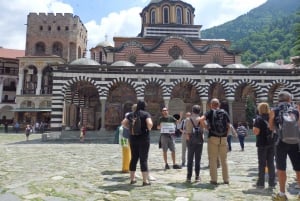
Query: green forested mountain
(266, 33)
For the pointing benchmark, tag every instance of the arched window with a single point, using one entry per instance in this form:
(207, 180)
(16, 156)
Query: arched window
(178, 15)
(188, 17)
(30, 80)
(57, 49)
(166, 15)
(40, 48)
(152, 19)
(47, 80)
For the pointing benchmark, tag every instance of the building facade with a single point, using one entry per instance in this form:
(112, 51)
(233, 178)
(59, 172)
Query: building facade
(167, 64)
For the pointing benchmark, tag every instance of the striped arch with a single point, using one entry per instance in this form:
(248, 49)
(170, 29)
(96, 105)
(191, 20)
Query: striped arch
(137, 88)
(259, 91)
(193, 82)
(224, 83)
(286, 85)
(156, 81)
(66, 88)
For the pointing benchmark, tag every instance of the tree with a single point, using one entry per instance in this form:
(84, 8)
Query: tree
(250, 110)
(296, 48)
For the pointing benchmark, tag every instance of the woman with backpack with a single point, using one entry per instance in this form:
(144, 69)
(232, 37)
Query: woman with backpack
(139, 143)
(265, 146)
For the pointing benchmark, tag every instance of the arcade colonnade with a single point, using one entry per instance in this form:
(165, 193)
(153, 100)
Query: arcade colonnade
(101, 96)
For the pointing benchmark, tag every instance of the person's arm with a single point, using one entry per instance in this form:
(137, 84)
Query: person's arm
(271, 120)
(256, 131)
(149, 123)
(125, 123)
(202, 122)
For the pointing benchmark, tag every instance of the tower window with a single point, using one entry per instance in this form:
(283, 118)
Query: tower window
(67, 28)
(188, 17)
(152, 20)
(179, 15)
(49, 28)
(166, 15)
(41, 28)
(58, 28)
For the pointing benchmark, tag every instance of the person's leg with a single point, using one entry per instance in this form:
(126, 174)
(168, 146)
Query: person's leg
(223, 157)
(134, 149)
(229, 142)
(190, 162)
(271, 166)
(164, 146)
(144, 147)
(261, 156)
(198, 154)
(213, 157)
(183, 149)
(281, 157)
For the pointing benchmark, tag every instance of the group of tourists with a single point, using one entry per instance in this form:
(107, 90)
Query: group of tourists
(268, 126)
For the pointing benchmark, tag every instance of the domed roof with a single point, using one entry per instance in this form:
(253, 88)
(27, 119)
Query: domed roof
(104, 44)
(212, 65)
(84, 61)
(152, 65)
(122, 63)
(180, 63)
(236, 66)
(268, 65)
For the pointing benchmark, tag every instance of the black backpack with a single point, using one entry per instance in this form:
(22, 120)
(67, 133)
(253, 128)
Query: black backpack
(219, 123)
(197, 134)
(135, 125)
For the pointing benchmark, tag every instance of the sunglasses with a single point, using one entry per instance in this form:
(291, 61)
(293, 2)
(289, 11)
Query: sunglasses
(165, 110)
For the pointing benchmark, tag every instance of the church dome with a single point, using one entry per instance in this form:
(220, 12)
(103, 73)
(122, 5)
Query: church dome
(104, 44)
(180, 63)
(152, 65)
(122, 63)
(269, 65)
(212, 65)
(84, 61)
(236, 66)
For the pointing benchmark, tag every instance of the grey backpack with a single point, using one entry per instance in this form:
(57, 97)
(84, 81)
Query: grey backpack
(288, 127)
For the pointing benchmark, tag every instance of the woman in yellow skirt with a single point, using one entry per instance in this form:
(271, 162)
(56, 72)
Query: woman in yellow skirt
(126, 153)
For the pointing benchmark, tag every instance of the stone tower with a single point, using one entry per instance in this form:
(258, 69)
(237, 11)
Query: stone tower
(63, 35)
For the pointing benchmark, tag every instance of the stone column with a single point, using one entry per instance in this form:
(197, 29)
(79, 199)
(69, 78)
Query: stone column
(1, 89)
(103, 103)
(20, 83)
(39, 82)
(204, 104)
(230, 101)
(166, 100)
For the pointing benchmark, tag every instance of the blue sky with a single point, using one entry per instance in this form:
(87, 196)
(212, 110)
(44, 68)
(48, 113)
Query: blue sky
(108, 17)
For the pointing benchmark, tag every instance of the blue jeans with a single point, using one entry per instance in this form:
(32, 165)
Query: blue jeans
(242, 140)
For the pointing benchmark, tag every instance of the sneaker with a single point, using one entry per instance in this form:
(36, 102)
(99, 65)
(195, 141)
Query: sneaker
(167, 166)
(182, 164)
(213, 182)
(197, 179)
(277, 197)
(175, 166)
(226, 182)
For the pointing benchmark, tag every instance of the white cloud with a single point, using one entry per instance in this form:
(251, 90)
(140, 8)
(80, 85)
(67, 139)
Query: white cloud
(13, 17)
(125, 23)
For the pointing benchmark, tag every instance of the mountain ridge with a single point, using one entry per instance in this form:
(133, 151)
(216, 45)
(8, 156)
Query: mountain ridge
(265, 33)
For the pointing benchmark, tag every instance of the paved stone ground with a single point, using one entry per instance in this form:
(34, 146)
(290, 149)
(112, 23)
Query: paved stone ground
(63, 171)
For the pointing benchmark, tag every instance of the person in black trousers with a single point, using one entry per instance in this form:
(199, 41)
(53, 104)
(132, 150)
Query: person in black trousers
(139, 144)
